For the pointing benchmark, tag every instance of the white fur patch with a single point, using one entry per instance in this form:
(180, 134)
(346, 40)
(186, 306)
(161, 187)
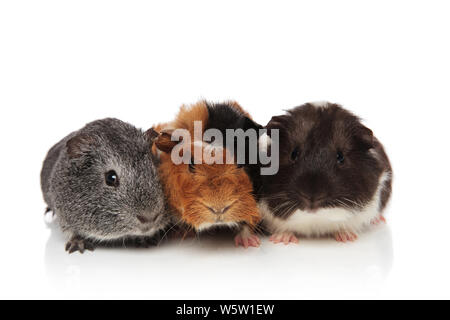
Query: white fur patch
(328, 220)
(264, 142)
(207, 225)
(49, 217)
(319, 104)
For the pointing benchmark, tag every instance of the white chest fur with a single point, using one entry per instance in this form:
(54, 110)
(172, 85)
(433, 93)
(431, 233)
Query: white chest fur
(326, 221)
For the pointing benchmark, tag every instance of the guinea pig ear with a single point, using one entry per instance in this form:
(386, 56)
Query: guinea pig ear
(164, 141)
(364, 136)
(79, 145)
(278, 122)
(151, 134)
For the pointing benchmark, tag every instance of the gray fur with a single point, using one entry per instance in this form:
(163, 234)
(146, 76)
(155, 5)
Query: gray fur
(74, 188)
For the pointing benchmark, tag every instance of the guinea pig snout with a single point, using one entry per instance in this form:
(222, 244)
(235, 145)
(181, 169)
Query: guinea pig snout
(312, 202)
(312, 191)
(218, 210)
(145, 218)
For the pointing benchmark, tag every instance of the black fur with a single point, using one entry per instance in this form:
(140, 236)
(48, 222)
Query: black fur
(313, 140)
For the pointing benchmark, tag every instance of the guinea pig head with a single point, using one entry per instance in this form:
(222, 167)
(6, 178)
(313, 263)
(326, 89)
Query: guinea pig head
(203, 192)
(114, 186)
(326, 160)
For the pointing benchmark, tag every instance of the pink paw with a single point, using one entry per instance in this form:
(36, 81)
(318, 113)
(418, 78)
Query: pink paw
(247, 240)
(378, 220)
(284, 237)
(345, 236)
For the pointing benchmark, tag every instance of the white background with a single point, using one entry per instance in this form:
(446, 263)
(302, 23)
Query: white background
(65, 63)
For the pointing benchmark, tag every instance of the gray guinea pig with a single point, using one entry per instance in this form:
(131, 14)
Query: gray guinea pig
(102, 183)
(334, 176)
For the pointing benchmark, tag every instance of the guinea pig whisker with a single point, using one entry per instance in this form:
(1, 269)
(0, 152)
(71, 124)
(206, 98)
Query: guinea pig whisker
(186, 232)
(278, 207)
(346, 206)
(342, 204)
(285, 208)
(257, 228)
(289, 209)
(260, 228)
(276, 196)
(179, 221)
(359, 205)
(288, 205)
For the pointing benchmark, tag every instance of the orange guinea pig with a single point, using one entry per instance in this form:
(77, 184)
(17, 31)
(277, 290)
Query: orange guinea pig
(204, 194)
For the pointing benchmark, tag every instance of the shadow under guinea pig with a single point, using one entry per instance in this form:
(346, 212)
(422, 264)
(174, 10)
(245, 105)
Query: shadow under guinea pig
(208, 265)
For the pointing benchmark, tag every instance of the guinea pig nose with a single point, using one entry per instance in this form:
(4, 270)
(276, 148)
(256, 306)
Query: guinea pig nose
(317, 202)
(313, 197)
(142, 219)
(221, 210)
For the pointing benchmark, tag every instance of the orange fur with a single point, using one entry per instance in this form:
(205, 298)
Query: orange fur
(157, 128)
(214, 186)
(188, 114)
(211, 185)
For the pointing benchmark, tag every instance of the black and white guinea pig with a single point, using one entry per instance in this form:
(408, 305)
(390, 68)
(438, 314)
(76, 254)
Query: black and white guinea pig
(334, 176)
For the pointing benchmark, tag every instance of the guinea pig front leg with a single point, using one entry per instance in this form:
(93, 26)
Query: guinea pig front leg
(285, 237)
(246, 238)
(345, 236)
(378, 220)
(77, 243)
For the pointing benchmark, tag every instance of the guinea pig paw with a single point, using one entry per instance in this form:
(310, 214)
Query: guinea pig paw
(378, 220)
(344, 236)
(284, 237)
(247, 240)
(78, 244)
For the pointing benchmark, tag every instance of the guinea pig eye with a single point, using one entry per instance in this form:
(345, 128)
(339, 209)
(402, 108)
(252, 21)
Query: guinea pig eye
(295, 154)
(340, 157)
(111, 178)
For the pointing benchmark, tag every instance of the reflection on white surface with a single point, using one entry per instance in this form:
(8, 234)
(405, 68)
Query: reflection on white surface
(211, 267)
